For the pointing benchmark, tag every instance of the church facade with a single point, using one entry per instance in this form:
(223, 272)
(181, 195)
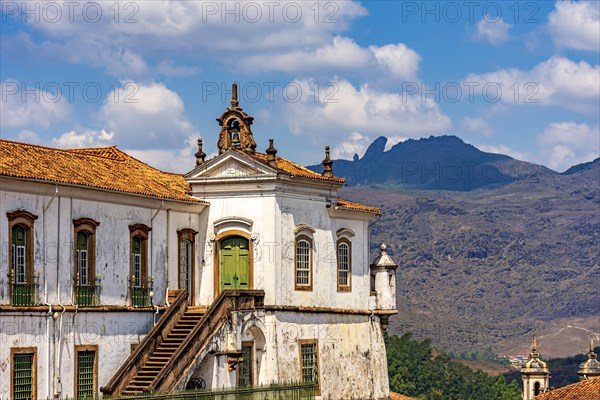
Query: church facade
(117, 278)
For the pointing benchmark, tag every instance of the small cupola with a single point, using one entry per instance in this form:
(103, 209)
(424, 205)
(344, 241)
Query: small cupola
(383, 273)
(235, 127)
(591, 367)
(535, 374)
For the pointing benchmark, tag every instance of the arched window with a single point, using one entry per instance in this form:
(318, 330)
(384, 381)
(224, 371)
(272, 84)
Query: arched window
(23, 286)
(303, 263)
(344, 265)
(536, 388)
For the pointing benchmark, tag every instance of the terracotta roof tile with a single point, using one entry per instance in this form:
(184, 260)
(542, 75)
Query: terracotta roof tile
(584, 390)
(294, 169)
(356, 206)
(396, 396)
(105, 168)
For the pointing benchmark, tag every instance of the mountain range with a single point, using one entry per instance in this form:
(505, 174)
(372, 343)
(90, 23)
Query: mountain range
(490, 249)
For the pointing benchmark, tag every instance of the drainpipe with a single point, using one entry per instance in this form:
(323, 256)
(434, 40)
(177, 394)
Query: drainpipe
(162, 203)
(46, 303)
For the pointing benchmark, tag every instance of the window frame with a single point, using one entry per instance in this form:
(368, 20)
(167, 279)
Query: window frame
(187, 234)
(142, 232)
(26, 220)
(309, 240)
(250, 345)
(24, 350)
(347, 287)
(88, 226)
(77, 350)
(306, 342)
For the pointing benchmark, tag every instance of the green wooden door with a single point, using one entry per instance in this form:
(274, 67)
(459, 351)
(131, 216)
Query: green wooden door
(235, 263)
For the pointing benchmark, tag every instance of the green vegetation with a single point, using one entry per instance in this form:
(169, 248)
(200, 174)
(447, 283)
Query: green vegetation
(414, 371)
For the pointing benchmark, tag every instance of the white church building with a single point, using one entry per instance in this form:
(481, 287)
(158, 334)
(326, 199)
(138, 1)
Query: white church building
(117, 278)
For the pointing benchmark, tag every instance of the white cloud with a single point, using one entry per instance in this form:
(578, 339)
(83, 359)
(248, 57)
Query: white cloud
(477, 125)
(22, 106)
(179, 160)
(146, 116)
(575, 25)
(492, 30)
(355, 144)
(557, 81)
(28, 136)
(86, 138)
(123, 43)
(362, 111)
(401, 61)
(564, 144)
(342, 54)
(501, 149)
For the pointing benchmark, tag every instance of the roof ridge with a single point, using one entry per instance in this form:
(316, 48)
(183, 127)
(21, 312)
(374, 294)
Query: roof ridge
(56, 148)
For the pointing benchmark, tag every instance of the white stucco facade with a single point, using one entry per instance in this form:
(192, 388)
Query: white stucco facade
(240, 197)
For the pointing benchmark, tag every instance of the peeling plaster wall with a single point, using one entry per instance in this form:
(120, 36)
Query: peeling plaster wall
(112, 332)
(351, 352)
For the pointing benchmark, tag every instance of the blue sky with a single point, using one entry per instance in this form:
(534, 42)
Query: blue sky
(520, 78)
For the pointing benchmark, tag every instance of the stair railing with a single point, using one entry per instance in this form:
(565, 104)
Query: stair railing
(205, 329)
(151, 341)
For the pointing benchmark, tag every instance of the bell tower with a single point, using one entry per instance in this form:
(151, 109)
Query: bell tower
(535, 374)
(591, 367)
(235, 127)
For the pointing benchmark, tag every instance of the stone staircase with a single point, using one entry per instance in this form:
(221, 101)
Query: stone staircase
(175, 342)
(164, 352)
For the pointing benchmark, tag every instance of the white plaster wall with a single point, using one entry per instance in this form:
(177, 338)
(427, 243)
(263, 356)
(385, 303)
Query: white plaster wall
(112, 245)
(112, 332)
(351, 352)
(274, 219)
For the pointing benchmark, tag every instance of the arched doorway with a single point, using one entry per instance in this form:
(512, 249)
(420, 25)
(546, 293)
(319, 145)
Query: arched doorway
(234, 264)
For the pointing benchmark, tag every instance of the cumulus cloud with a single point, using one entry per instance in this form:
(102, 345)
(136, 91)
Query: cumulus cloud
(564, 144)
(23, 106)
(342, 54)
(353, 114)
(575, 25)
(501, 149)
(85, 138)
(129, 34)
(477, 125)
(146, 116)
(179, 159)
(399, 60)
(354, 144)
(557, 81)
(493, 31)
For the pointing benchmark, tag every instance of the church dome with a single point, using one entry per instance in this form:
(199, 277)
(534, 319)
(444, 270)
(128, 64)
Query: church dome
(534, 365)
(590, 367)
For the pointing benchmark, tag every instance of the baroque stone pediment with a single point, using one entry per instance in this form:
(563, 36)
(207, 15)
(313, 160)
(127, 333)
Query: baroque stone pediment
(230, 166)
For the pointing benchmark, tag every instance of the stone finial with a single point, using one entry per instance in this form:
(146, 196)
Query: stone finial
(200, 155)
(591, 344)
(327, 163)
(384, 261)
(534, 345)
(271, 151)
(234, 95)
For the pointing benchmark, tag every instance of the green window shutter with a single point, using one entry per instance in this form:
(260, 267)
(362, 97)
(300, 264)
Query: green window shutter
(23, 376)
(85, 374)
(310, 372)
